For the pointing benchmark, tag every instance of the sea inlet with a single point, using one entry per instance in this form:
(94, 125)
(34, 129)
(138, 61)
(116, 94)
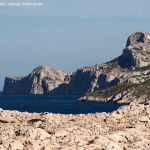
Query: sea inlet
(53, 104)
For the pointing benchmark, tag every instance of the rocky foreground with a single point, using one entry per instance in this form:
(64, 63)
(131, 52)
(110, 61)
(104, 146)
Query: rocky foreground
(127, 128)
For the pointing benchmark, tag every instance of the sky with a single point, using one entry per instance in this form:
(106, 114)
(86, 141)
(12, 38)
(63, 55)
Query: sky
(67, 34)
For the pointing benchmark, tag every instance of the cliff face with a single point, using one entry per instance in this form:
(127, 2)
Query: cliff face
(44, 80)
(101, 76)
(89, 79)
(41, 81)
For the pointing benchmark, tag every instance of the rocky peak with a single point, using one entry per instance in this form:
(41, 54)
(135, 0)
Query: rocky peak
(137, 51)
(47, 72)
(44, 69)
(138, 37)
(40, 69)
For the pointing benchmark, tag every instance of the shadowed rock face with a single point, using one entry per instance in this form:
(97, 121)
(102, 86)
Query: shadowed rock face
(89, 79)
(44, 80)
(41, 81)
(17, 85)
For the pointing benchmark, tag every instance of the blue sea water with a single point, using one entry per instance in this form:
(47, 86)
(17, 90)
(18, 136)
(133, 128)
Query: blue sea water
(53, 104)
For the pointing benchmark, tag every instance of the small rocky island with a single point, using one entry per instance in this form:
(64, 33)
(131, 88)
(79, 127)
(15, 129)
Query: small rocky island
(125, 79)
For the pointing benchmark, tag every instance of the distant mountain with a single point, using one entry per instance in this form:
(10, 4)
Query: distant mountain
(132, 66)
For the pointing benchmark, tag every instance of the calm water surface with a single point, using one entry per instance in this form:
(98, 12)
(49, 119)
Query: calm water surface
(53, 104)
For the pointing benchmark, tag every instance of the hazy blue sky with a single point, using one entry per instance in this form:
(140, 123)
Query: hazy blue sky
(67, 34)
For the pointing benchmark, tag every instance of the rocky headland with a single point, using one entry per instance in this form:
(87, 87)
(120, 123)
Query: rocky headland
(126, 75)
(124, 129)
(131, 70)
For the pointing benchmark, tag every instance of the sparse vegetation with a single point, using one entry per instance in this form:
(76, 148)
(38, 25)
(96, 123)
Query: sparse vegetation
(141, 89)
(142, 68)
(47, 78)
(112, 90)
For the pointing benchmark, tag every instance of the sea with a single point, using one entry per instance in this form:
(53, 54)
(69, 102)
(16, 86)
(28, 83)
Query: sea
(62, 104)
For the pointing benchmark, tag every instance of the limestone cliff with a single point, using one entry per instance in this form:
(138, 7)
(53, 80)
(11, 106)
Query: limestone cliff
(41, 81)
(129, 65)
(135, 63)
